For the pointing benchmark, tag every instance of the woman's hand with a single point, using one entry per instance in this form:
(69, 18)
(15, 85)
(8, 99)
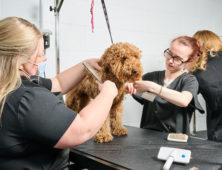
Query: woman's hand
(94, 63)
(141, 86)
(130, 89)
(108, 87)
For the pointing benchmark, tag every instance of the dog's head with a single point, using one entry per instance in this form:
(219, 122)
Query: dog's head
(122, 61)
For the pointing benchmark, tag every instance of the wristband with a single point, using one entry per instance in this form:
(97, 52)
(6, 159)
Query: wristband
(161, 88)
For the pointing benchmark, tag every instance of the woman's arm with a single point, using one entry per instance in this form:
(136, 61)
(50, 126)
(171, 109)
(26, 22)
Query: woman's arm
(181, 99)
(90, 119)
(68, 79)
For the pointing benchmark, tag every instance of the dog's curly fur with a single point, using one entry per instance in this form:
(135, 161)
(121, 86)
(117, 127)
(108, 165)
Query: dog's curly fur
(120, 63)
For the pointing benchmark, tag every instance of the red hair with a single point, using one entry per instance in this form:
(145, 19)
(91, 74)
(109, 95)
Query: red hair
(190, 42)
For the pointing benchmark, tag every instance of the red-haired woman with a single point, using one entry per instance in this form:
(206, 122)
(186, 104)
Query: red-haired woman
(176, 90)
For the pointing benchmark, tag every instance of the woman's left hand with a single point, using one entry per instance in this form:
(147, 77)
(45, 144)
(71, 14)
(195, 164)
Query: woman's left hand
(129, 88)
(143, 86)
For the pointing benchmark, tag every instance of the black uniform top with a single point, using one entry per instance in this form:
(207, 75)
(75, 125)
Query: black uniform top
(210, 82)
(164, 116)
(33, 121)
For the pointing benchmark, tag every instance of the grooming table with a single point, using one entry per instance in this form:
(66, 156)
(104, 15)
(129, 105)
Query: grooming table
(138, 150)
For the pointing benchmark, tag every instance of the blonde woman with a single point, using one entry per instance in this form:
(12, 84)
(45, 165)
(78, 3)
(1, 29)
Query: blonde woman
(36, 127)
(208, 71)
(176, 90)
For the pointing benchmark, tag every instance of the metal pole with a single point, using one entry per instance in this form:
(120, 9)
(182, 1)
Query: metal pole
(56, 9)
(57, 45)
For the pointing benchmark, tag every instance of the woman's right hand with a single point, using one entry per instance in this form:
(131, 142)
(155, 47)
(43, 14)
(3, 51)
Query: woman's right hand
(110, 87)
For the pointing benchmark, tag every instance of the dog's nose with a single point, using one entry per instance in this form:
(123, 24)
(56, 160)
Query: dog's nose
(134, 71)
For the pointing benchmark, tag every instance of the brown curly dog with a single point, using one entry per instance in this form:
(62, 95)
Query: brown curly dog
(120, 63)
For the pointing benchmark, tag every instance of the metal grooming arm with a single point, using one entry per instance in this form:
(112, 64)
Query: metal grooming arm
(56, 9)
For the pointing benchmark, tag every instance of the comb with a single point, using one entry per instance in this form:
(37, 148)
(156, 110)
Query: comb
(92, 71)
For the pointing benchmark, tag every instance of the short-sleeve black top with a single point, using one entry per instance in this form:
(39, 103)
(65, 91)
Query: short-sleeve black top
(162, 115)
(210, 82)
(33, 121)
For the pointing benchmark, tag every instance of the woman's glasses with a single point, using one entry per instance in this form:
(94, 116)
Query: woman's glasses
(176, 60)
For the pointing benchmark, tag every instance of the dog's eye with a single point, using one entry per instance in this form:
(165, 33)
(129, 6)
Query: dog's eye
(123, 58)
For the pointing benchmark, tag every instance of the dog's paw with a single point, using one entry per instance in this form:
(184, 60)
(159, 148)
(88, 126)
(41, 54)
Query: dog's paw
(120, 131)
(101, 138)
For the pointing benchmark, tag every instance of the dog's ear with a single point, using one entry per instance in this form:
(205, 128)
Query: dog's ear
(112, 67)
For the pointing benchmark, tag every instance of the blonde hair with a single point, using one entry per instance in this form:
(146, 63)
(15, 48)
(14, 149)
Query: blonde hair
(18, 41)
(210, 43)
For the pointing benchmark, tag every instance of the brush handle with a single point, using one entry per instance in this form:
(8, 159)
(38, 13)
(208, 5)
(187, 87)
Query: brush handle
(168, 163)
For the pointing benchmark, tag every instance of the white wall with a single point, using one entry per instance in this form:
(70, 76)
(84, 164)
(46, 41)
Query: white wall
(28, 9)
(148, 24)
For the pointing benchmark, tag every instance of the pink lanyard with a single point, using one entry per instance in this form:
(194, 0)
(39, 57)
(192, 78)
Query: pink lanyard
(106, 17)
